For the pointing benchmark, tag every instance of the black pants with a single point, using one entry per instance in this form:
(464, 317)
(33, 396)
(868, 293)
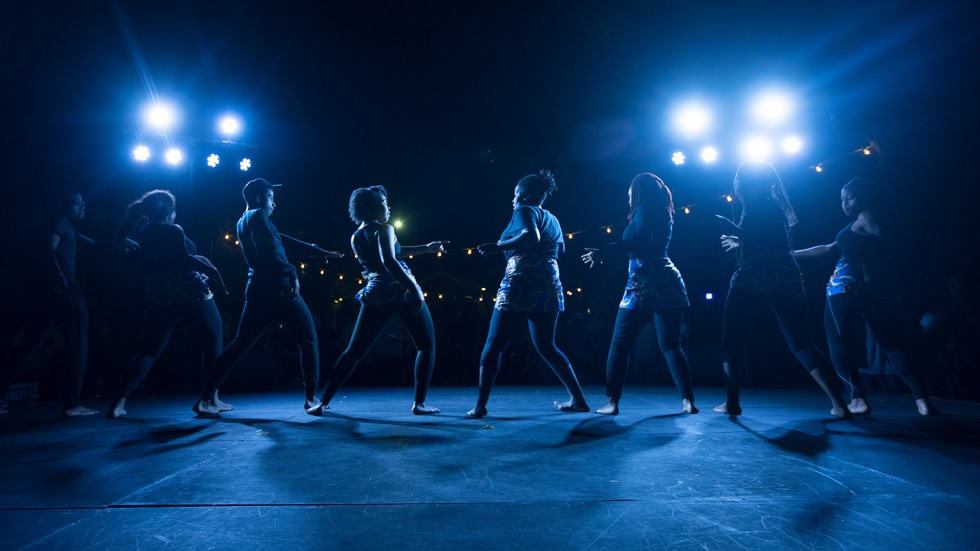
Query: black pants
(629, 325)
(370, 321)
(743, 308)
(542, 325)
(69, 312)
(257, 315)
(847, 319)
(158, 324)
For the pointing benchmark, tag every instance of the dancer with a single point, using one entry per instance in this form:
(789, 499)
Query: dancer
(271, 295)
(767, 277)
(858, 300)
(178, 287)
(389, 289)
(655, 291)
(59, 301)
(530, 290)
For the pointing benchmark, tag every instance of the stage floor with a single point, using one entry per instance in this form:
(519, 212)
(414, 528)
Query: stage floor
(369, 475)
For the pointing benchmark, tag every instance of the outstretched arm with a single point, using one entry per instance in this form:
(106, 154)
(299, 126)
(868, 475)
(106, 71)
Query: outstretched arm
(818, 251)
(413, 250)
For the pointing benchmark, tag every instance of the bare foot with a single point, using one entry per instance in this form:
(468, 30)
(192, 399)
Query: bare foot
(117, 409)
(841, 412)
(859, 406)
(422, 409)
(80, 411)
(206, 408)
(318, 409)
(611, 408)
(223, 406)
(572, 406)
(311, 403)
(730, 410)
(687, 406)
(925, 408)
(477, 412)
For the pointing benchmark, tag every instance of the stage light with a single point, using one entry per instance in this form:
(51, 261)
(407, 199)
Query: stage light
(161, 116)
(687, 210)
(757, 147)
(569, 236)
(440, 296)
(141, 153)
(608, 229)
(678, 158)
(469, 251)
(867, 151)
(728, 198)
(302, 266)
(227, 237)
(709, 296)
(772, 107)
(709, 154)
(245, 164)
(818, 168)
(439, 254)
(323, 272)
(229, 126)
(173, 156)
(213, 160)
(692, 120)
(792, 144)
(398, 224)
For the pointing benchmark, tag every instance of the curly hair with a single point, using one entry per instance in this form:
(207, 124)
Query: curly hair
(365, 202)
(645, 185)
(540, 184)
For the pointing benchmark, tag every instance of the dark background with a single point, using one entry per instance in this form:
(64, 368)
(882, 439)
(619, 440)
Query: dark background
(447, 104)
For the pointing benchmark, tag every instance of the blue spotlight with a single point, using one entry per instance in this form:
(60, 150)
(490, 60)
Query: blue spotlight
(709, 296)
(230, 126)
(692, 120)
(772, 107)
(173, 156)
(213, 160)
(678, 158)
(161, 116)
(757, 147)
(141, 153)
(792, 144)
(709, 154)
(245, 164)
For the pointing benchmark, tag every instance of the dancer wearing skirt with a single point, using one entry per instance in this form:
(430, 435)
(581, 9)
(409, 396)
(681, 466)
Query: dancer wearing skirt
(767, 278)
(389, 289)
(655, 291)
(860, 298)
(530, 291)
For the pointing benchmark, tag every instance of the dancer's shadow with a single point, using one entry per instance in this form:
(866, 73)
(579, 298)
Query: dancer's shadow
(605, 426)
(809, 438)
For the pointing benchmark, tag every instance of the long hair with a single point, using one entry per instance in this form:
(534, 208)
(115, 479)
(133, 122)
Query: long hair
(647, 186)
(365, 202)
(541, 184)
(153, 207)
(757, 182)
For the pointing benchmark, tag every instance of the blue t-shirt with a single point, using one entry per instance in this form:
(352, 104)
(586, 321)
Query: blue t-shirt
(527, 217)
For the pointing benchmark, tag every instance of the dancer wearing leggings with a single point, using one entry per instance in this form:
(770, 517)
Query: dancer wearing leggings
(389, 289)
(860, 299)
(767, 278)
(530, 291)
(178, 288)
(655, 291)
